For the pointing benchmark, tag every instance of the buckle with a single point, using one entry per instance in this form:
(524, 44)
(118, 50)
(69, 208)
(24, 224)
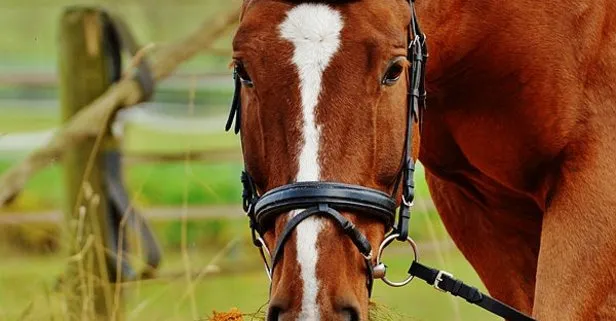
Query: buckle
(406, 202)
(439, 279)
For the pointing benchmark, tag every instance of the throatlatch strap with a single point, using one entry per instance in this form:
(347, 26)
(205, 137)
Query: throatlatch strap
(445, 282)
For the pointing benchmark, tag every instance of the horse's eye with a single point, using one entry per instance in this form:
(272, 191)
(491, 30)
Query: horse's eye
(393, 73)
(240, 71)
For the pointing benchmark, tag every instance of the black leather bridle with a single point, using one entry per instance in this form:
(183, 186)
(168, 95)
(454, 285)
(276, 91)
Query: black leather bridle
(328, 199)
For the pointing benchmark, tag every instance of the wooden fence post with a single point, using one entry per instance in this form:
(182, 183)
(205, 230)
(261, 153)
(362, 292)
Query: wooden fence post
(86, 72)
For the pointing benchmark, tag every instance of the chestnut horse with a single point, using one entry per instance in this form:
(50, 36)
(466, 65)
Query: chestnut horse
(519, 141)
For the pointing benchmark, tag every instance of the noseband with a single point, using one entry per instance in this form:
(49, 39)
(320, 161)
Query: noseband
(325, 199)
(328, 199)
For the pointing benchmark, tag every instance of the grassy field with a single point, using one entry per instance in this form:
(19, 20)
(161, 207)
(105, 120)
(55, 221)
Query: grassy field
(15, 119)
(149, 185)
(26, 289)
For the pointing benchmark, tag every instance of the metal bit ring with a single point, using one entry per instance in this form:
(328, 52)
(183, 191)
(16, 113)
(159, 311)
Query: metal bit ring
(382, 248)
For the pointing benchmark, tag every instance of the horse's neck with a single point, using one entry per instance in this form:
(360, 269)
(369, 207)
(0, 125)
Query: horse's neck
(503, 75)
(453, 29)
(464, 34)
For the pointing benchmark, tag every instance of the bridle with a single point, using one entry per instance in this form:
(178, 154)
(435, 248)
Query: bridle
(329, 199)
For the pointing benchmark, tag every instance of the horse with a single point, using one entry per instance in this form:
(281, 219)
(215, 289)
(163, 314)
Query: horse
(518, 144)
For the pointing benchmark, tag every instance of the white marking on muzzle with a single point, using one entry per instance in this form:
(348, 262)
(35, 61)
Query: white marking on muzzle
(314, 30)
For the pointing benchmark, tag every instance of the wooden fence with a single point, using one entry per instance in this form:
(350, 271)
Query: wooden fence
(93, 87)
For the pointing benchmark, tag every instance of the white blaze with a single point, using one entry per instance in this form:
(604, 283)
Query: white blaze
(314, 30)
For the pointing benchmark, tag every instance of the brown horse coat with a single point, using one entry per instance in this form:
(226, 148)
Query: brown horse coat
(519, 146)
(519, 142)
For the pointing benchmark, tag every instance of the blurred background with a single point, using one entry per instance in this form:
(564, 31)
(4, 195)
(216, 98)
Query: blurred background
(181, 172)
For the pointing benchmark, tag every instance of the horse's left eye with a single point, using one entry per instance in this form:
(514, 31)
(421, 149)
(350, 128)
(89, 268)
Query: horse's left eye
(240, 71)
(393, 73)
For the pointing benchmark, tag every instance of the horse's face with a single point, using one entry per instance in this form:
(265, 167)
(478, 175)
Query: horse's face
(324, 99)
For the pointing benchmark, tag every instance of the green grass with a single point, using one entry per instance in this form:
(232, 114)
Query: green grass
(193, 183)
(22, 120)
(43, 192)
(26, 281)
(168, 184)
(141, 139)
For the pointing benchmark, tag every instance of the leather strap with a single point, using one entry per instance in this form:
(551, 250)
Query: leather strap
(447, 283)
(338, 196)
(349, 229)
(119, 215)
(236, 104)
(360, 241)
(120, 37)
(417, 56)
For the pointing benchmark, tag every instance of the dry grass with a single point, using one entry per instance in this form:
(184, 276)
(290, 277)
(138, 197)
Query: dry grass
(377, 312)
(233, 315)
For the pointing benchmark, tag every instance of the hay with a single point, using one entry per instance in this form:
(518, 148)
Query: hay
(233, 315)
(380, 312)
(376, 312)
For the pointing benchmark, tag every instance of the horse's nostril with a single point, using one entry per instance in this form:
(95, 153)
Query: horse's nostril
(274, 313)
(350, 314)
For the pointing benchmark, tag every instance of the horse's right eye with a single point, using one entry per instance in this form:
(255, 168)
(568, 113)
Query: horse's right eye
(240, 71)
(394, 72)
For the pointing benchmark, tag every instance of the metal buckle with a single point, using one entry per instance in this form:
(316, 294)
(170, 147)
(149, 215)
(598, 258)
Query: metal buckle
(439, 279)
(248, 208)
(407, 203)
(381, 268)
(416, 41)
(413, 49)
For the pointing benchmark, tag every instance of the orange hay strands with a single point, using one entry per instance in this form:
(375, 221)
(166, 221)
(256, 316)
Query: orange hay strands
(233, 315)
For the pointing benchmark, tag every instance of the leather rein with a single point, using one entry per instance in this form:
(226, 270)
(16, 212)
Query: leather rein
(329, 199)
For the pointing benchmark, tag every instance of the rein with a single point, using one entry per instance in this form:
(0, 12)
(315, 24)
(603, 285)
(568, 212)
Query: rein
(328, 199)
